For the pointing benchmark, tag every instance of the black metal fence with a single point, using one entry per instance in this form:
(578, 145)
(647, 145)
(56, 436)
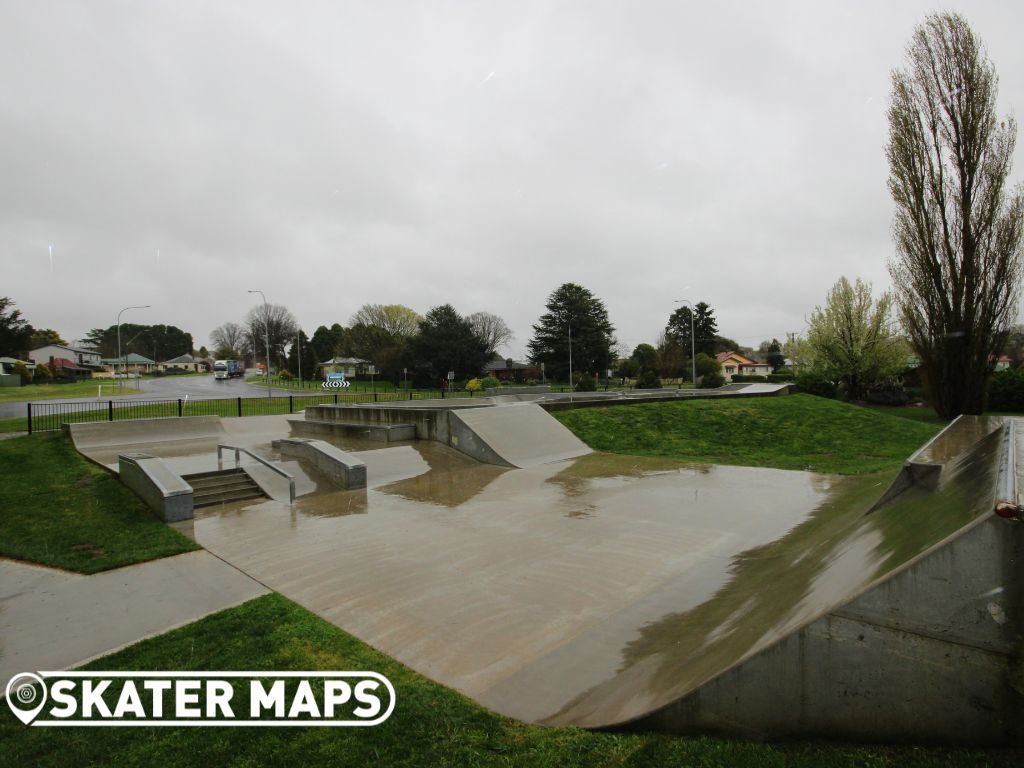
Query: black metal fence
(48, 416)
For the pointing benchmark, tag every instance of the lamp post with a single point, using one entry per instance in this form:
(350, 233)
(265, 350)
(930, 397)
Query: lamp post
(266, 336)
(693, 357)
(119, 358)
(298, 354)
(569, 325)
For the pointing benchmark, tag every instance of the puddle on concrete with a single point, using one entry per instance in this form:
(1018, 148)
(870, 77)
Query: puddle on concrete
(587, 591)
(526, 588)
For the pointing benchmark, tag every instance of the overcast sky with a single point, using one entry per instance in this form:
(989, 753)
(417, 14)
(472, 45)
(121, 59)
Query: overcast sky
(333, 154)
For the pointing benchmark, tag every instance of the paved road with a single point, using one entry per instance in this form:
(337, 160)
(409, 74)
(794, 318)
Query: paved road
(167, 388)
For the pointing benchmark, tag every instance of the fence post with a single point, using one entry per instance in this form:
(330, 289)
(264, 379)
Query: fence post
(335, 398)
(289, 403)
(239, 407)
(30, 418)
(179, 407)
(110, 410)
(375, 396)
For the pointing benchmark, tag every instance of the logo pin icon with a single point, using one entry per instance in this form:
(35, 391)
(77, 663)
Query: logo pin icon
(22, 694)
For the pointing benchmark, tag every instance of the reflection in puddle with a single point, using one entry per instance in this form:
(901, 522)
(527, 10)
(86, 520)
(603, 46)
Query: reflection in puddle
(585, 591)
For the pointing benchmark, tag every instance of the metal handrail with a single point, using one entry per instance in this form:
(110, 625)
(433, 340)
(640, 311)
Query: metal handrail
(264, 462)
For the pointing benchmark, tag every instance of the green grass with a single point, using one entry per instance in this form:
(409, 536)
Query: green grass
(58, 509)
(86, 388)
(787, 432)
(923, 413)
(431, 725)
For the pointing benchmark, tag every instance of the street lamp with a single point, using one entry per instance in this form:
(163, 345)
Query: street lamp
(266, 336)
(120, 359)
(569, 325)
(298, 355)
(693, 358)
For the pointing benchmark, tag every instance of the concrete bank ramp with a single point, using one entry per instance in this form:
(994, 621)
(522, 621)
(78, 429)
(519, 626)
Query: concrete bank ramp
(102, 441)
(517, 434)
(902, 624)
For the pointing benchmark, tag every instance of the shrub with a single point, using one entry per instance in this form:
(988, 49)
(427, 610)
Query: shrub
(706, 365)
(586, 383)
(22, 370)
(814, 383)
(1006, 391)
(648, 380)
(43, 374)
(489, 382)
(746, 377)
(780, 378)
(712, 380)
(473, 385)
(285, 376)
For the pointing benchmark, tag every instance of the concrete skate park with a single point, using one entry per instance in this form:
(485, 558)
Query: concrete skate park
(486, 547)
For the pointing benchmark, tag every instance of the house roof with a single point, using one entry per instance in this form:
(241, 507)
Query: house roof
(14, 360)
(181, 359)
(63, 362)
(345, 361)
(130, 359)
(741, 359)
(81, 350)
(503, 365)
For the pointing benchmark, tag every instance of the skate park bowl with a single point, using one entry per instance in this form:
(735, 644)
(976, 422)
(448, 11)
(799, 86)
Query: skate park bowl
(557, 585)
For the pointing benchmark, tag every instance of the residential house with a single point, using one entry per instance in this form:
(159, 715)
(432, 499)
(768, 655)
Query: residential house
(734, 363)
(68, 370)
(511, 370)
(1002, 363)
(130, 363)
(352, 367)
(80, 356)
(183, 363)
(8, 376)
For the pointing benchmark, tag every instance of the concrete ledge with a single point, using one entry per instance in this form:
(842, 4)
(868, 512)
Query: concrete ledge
(537, 389)
(343, 468)
(384, 433)
(163, 491)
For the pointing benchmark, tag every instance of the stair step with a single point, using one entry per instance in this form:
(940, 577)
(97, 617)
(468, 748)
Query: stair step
(246, 488)
(214, 473)
(218, 482)
(226, 498)
(222, 486)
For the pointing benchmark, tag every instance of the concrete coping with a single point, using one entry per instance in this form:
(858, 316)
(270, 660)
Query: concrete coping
(160, 475)
(323, 447)
(342, 467)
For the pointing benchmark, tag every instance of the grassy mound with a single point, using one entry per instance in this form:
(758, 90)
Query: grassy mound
(431, 725)
(787, 432)
(58, 509)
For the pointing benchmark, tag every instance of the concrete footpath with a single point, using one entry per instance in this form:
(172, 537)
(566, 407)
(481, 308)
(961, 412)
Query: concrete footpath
(51, 619)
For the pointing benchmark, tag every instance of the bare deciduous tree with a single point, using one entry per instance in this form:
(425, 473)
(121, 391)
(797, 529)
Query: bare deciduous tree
(957, 229)
(273, 320)
(491, 330)
(229, 336)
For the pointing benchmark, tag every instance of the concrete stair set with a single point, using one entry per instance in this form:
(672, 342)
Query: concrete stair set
(222, 487)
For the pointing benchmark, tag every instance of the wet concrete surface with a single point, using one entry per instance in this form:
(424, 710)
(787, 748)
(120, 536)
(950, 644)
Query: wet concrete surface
(52, 619)
(586, 592)
(526, 588)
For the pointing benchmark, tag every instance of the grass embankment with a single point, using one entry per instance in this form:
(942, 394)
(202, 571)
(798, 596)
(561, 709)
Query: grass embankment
(788, 432)
(58, 509)
(87, 388)
(431, 725)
